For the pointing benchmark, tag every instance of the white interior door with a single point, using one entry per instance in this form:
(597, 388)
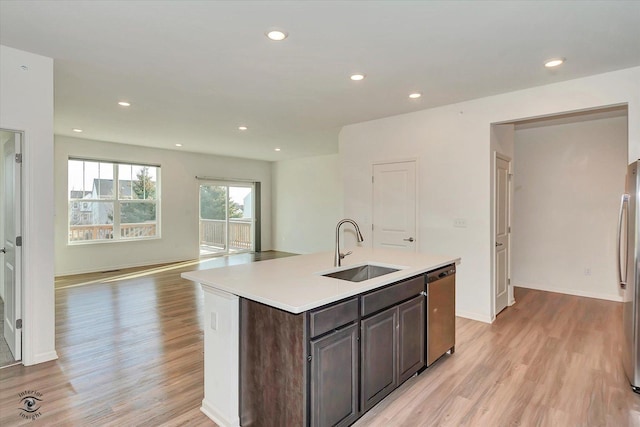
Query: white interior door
(394, 206)
(502, 171)
(11, 252)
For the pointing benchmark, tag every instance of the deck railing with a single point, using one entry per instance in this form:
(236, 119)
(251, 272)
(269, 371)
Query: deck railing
(79, 233)
(212, 233)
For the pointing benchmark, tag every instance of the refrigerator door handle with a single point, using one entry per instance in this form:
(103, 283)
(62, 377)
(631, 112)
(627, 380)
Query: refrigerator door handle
(622, 276)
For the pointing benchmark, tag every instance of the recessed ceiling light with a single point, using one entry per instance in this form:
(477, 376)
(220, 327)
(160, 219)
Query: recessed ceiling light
(242, 128)
(357, 77)
(277, 35)
(554, 62)
(415, 95)
(276, 149)
(178, 145)
(77, 130)
(124, 104)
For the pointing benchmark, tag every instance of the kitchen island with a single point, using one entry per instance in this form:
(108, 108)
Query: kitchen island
(273, 327)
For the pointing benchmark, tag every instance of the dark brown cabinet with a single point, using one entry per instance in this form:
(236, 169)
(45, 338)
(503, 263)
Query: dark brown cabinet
(328, 366)
(379, 353)
(392, 349)
(411, 338)
(334, 378)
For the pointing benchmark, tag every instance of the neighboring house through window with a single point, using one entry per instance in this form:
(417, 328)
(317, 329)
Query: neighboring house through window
(112, 201)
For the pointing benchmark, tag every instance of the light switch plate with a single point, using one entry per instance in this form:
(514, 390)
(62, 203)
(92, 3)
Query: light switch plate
(214, 320)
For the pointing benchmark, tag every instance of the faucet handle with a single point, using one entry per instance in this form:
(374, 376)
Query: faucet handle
(344, 255)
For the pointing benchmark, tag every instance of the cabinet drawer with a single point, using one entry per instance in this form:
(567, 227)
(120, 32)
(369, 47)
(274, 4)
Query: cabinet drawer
(328, 318)
(386, 297)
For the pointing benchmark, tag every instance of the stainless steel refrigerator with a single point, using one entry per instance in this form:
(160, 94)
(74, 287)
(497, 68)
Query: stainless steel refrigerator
(629, 275)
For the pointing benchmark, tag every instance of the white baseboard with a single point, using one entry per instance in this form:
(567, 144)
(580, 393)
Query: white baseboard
(474, 316)
(578, 293)
(217, 417)
(41, 358)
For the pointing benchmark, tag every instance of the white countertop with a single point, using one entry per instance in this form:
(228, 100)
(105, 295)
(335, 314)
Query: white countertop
(295, 284)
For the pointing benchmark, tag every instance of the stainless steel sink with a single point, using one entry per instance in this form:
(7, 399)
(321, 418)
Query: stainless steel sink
(361, 273)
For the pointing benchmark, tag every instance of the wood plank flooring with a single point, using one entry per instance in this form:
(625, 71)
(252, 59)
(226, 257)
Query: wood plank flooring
(549, 360)
(131, 354)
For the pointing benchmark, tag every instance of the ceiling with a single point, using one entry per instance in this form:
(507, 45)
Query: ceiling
(196, 70)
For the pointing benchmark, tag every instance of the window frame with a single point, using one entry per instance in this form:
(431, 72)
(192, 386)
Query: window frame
(116, 201)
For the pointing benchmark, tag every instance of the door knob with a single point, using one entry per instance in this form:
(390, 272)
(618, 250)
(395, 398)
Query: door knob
(498, 244)
(410, 239)
(3, 250)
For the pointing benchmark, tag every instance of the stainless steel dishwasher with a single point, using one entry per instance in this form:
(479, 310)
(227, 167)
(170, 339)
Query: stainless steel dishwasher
(441, 312)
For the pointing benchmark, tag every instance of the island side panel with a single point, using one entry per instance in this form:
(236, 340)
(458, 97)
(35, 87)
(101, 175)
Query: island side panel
(272, 366)
(221, 365)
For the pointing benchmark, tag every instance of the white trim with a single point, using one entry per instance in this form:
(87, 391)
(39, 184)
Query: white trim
(474, 316)
(217, 417)
(547, 288)
(400, 160)
(42, 357)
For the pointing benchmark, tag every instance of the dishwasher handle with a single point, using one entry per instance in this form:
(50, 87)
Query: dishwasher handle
(441, 273)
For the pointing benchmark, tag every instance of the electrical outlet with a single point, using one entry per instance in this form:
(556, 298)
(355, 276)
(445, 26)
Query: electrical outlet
(460, 222)
(587, 271)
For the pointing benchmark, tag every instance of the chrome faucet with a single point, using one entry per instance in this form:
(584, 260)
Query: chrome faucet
(339, 255)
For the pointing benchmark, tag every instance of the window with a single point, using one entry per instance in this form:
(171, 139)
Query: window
(112, 201)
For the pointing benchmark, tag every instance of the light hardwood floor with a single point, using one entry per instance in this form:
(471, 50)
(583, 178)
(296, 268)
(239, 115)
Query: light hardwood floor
(549, 360)
(131, 354)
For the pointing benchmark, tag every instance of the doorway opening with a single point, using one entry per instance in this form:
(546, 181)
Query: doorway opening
(568, 171)
(227, 215)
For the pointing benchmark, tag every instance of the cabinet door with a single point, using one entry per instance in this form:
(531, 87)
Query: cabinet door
(334, 378)
(379, 362)
(411, 346)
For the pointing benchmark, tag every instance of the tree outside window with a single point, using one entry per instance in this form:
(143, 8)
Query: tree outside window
(213, 200)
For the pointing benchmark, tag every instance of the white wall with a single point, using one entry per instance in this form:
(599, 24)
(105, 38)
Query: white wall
(567, 195)
(26, 104)
(307, 203)
(179, 204)
(452, 144)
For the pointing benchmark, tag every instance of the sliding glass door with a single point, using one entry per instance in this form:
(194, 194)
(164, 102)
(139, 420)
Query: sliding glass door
(226, 218)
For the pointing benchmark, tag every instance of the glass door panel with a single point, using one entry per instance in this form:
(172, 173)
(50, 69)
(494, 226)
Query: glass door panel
(213, 219)
(240, 219)
(226, 218)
